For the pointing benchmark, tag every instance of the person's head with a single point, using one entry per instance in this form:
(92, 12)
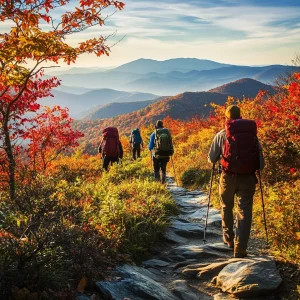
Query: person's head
(232, 112)
(159, 124)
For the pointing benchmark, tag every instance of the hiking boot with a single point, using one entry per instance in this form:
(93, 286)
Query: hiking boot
(229, 244)
(239, 253)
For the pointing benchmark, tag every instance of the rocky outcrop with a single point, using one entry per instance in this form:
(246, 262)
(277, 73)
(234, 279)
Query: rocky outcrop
(250, 277)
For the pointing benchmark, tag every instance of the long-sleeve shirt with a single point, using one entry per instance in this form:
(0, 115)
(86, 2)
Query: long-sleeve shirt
(217, 149)
(151, 141)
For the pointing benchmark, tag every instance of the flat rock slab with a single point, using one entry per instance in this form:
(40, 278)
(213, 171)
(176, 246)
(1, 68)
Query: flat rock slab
(197, 252)
(195, 192)
(250, 277)
(136, 285)
(176, 189)
(187, 229)
(211, 270)
(155, 263)
(191, 201)
(183, 291)
(172, 237)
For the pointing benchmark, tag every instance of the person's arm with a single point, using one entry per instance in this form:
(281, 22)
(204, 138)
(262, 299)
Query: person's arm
(215, 151)
(121, 150)
(151, 141)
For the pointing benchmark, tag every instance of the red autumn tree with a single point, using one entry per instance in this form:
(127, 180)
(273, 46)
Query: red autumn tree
(50, 135)
(37, 39)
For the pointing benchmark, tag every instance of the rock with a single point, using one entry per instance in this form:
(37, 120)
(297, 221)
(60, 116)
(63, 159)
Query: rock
(195, 192)
(211, 270)
(200, 214)
(191, 201)
(187, 229)
(137, 284)
(117, 290)
(176, 189)
(184, 263)
(172, 237)
(222, 296)
(182, 290)
(128, 271)
(155, 263)
(197, 252)
(192, 270)
(83, 297)
(250, 277)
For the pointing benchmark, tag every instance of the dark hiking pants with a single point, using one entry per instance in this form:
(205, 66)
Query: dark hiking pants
(160, 164)
(136, 151)
(243, 186)
(109, 160)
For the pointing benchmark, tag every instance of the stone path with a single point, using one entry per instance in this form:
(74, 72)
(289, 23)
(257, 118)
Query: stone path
(187, 269)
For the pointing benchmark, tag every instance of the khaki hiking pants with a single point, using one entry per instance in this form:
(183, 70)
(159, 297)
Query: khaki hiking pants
(243, 186)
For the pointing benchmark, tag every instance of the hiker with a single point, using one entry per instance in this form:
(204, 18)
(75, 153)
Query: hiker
(240, 155)
(162, 148)
(136, 142)
(110, 147)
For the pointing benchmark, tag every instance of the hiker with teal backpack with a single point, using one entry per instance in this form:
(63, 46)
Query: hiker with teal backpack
(162, 148)
(136, 142)
(240, 155)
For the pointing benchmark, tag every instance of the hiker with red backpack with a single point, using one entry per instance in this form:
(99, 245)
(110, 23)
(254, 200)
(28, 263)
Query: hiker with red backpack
(240, 155)
(136, 142)
(162, 148)
(110, 147)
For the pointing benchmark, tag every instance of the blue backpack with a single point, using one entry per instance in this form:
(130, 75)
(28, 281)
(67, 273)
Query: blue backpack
(136, 137)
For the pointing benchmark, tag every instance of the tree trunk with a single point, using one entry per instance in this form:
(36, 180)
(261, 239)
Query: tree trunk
(11, 160)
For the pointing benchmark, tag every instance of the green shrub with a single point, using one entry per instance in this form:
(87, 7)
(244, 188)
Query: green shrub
(195, 177)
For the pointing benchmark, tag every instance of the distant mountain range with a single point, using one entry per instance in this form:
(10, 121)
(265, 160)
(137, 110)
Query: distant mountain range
(115, 109)
(245, 87)
(183, 106)
(144, 66)
(79, 105)
(173, 76)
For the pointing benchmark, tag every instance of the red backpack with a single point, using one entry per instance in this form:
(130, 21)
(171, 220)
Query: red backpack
(241, 150)
(110, 143)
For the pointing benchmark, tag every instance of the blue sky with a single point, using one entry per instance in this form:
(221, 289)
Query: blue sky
(251, 32)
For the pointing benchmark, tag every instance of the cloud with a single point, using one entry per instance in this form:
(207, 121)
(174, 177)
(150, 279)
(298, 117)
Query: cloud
(232, 31)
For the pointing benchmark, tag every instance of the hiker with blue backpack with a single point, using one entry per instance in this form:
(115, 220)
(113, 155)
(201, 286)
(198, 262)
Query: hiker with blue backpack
(136, 142)
(240, 155)
(161, 146)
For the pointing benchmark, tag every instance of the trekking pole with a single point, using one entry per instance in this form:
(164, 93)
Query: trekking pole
(174, 171)
(208, 203)
(263, 206)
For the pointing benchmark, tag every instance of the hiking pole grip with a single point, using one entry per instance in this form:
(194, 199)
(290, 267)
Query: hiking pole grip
(208, 203)
(174, 171)
(263, 207)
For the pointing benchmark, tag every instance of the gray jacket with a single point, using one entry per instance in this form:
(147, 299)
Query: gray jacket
(217, 149)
